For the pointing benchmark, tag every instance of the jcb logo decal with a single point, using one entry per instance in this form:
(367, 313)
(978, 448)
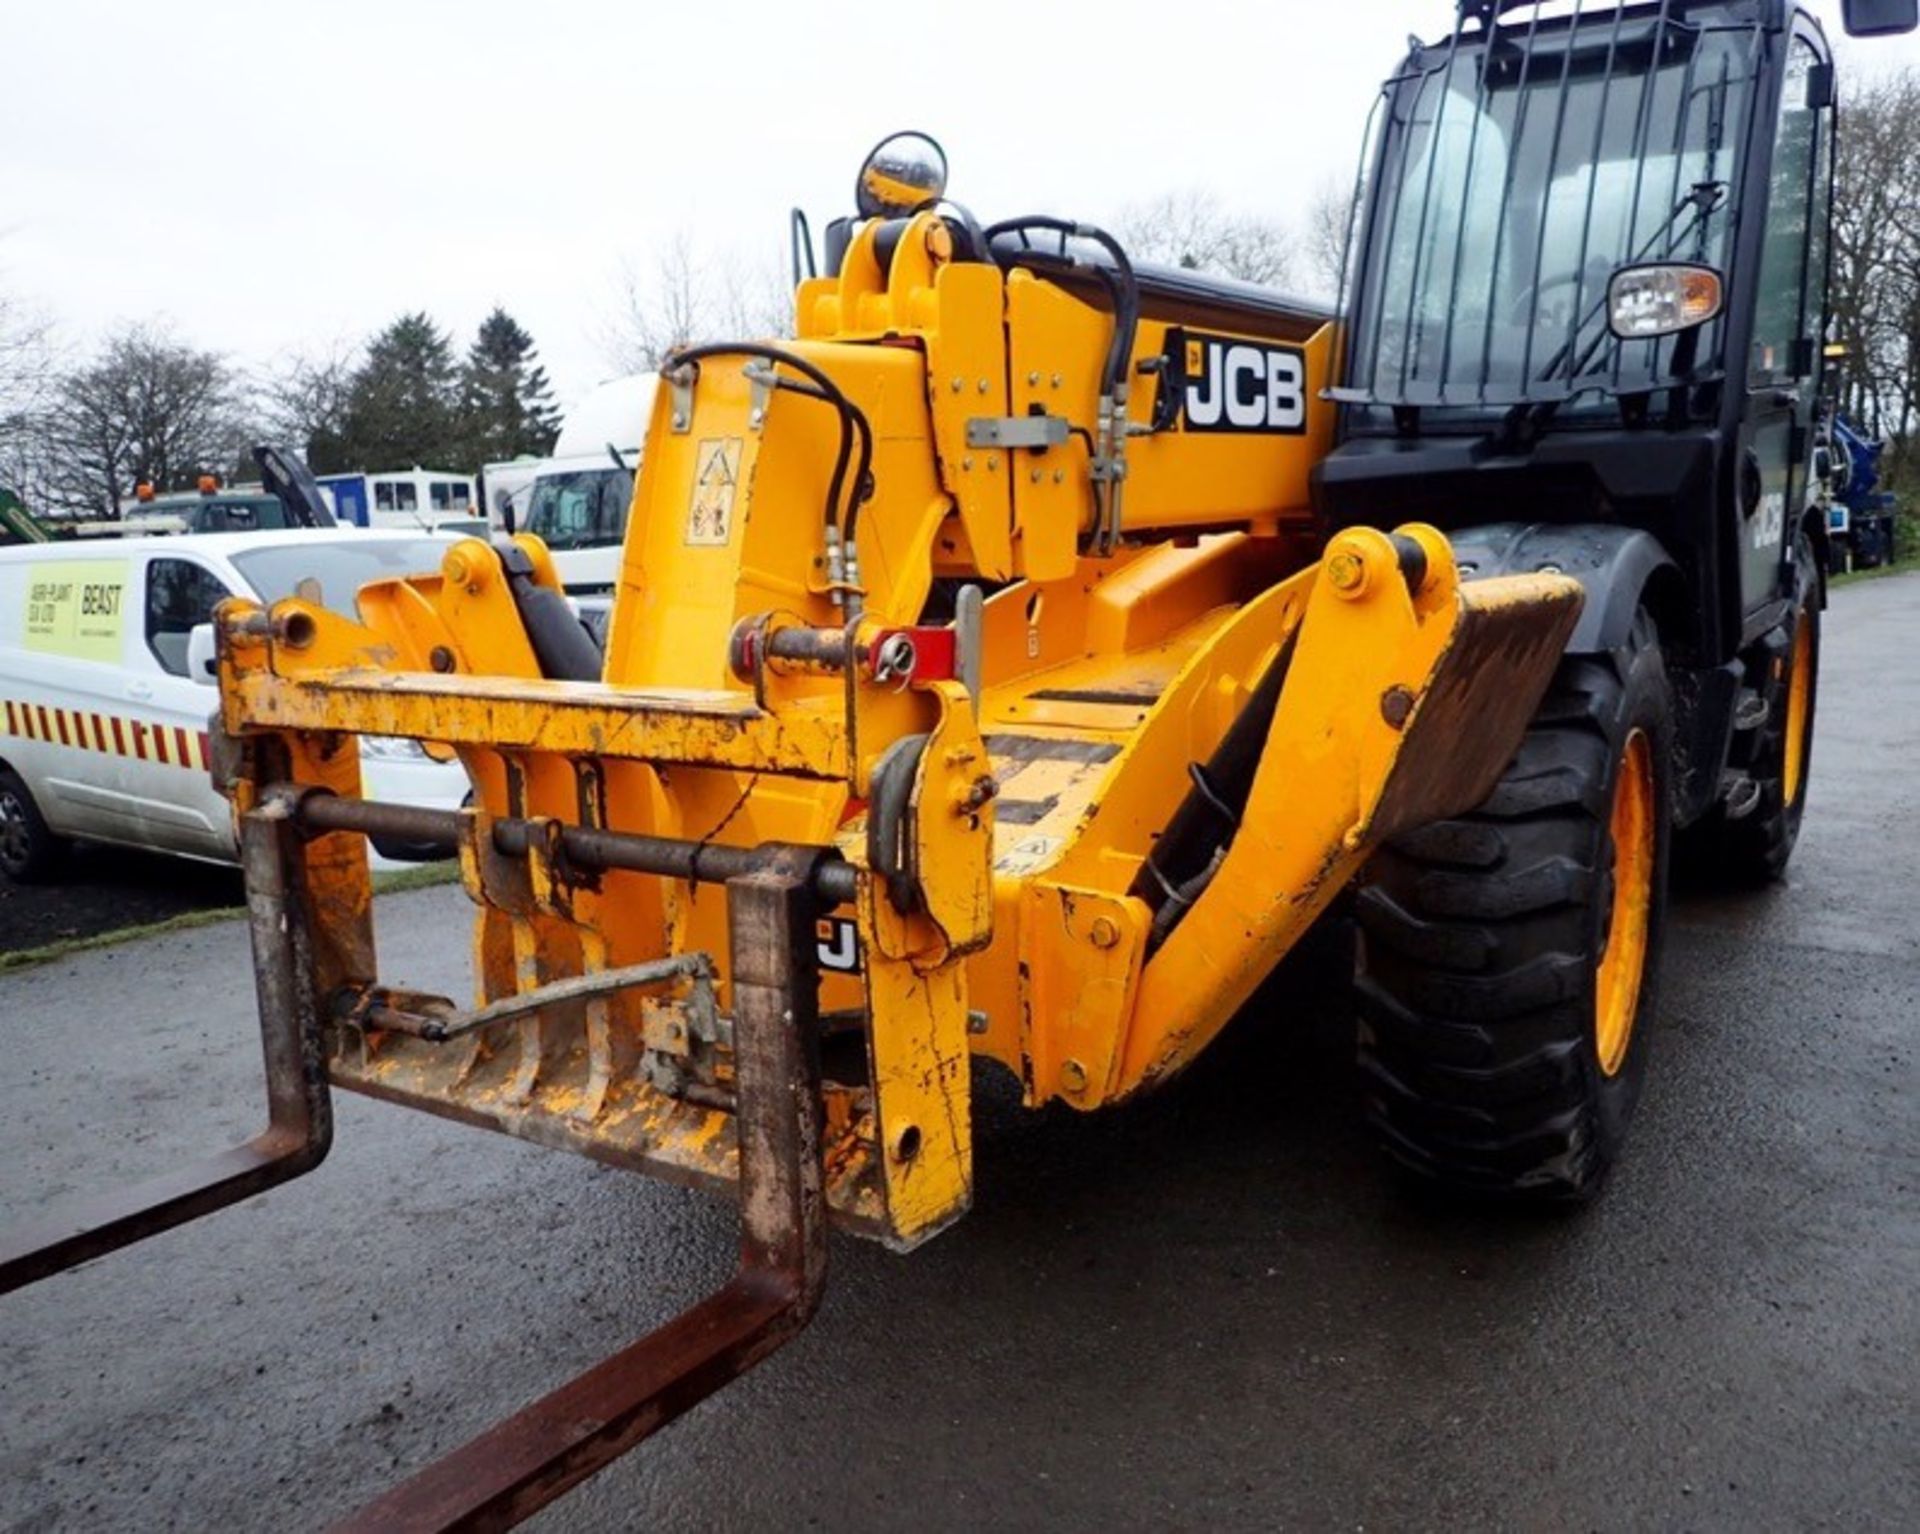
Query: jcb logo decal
(1240, 385)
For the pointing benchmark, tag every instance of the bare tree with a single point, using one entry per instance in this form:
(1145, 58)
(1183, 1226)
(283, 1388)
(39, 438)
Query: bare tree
(1190, 228)
(28, 365)
(303, 402)
(1876, 261)
(685, 295)
(1329, 219)
(147, 408)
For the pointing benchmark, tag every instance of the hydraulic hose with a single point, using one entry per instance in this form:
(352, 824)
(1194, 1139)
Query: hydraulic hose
(853, 421)
(1121, 282)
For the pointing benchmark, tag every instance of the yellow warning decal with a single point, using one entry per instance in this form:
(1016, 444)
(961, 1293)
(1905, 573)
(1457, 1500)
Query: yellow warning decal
(710, 510)
(76, 608)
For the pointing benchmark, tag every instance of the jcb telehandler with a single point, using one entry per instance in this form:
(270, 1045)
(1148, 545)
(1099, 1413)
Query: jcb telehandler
(1016, 661)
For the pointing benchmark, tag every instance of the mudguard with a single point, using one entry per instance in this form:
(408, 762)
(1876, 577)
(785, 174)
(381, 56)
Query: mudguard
(1614, 566)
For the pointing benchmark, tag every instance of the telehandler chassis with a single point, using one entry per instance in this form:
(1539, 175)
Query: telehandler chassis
(1068, 826)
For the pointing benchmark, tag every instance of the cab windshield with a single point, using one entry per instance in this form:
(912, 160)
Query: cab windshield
(1517, 173)
(581, 509)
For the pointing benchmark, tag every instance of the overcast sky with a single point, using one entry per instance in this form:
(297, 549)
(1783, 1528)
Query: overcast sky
(268, 177)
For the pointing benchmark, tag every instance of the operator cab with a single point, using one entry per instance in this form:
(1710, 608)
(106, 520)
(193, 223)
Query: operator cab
(1588, 283)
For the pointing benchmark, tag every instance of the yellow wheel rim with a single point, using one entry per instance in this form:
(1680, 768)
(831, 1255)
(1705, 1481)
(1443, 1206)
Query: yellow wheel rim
(1623, 962)
(1793, 773)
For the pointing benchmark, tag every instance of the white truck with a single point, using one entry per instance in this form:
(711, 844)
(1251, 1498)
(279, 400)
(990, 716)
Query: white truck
(580, 497)
(106, 685)
(504, 486)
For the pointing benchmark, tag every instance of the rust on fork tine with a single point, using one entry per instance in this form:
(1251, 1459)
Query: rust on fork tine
(520, 1465)
(299, 1107)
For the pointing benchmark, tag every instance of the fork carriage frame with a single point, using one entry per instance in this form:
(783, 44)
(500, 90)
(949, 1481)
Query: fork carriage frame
(773, 894)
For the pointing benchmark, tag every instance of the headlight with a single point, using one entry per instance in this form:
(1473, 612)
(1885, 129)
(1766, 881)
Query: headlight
(1644, 302)
(391, 748)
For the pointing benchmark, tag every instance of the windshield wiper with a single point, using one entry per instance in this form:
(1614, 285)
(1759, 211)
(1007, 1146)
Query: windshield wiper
(1704, 198)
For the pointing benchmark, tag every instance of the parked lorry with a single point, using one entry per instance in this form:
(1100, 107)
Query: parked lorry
(285, 496)
(1031, 648)
(210, 508)
(503, 486)
(416, 500)
(577, 504)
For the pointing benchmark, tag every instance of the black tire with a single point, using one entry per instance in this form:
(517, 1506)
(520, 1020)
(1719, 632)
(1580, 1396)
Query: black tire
(1482, 942)
(30, 853)
(1754, 850)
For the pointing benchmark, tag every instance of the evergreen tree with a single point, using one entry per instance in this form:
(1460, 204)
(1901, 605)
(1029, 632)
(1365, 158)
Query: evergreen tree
(506, 402)
(403, 404)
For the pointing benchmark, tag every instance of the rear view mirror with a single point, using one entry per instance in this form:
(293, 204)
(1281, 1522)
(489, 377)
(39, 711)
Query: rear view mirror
(902, 174)
(1880, 18)
(202, 666)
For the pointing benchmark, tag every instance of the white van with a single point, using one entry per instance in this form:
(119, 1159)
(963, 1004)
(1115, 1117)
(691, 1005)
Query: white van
(580, 498)
(103, 730)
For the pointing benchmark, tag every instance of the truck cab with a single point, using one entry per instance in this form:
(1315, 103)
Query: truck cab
(579, 499)
(213, 508)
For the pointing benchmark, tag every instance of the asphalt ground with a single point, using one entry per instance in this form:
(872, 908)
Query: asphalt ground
(1212, 1307)
(102, 889)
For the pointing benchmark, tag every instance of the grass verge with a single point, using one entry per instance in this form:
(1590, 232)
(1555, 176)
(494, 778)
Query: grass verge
(1898, 567)
(388, 882)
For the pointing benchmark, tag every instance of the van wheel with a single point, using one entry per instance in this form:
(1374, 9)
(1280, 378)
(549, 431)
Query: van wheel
(1508, 958)
(1754, 849)
(29, 851)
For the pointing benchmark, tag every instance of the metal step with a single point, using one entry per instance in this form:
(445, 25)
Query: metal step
(1740, 795)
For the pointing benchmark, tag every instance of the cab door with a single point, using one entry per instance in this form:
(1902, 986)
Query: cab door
(168, 710)
(1783, 358)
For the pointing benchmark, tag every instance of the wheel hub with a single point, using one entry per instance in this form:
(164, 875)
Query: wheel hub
(14, 844)
(1799, 695)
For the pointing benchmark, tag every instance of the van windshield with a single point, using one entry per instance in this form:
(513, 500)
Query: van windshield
(1516, 176)
(338, 569)
(581, 509)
